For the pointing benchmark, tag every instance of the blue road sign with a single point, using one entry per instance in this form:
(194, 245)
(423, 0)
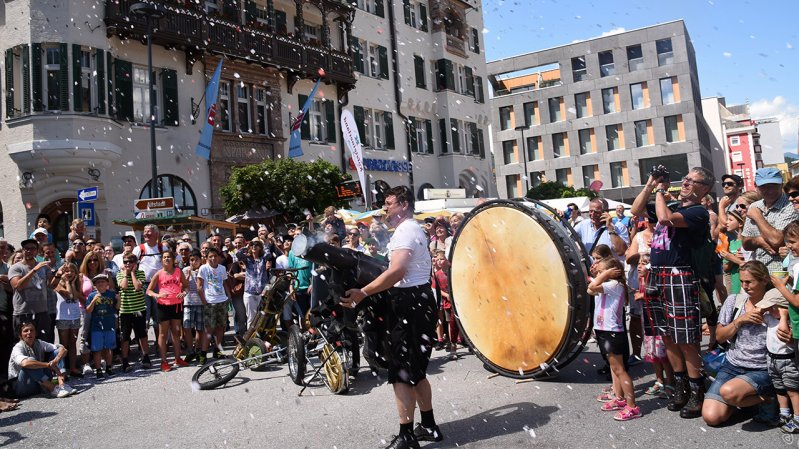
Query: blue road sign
(86, 213)
(88, 194)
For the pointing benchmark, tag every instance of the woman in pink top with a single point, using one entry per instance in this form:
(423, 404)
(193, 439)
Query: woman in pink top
(171, 287)
(89, 268)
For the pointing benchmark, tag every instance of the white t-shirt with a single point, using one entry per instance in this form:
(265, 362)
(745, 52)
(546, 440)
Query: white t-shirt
(774, 344)
(409, 235)
(609, 307)
(282, 262)
(213, 283)
(150, 262)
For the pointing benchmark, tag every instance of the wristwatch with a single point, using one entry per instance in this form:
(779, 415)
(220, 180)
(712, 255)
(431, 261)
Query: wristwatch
(663, 191)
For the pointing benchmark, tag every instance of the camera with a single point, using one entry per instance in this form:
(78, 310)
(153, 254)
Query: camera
(660, 172)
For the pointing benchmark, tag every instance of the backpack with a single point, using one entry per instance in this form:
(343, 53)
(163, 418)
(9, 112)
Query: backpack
(702, 261)
(143, 251)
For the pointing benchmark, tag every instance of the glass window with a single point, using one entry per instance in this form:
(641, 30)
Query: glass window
(374, 61)
(261, 111)
(421, 137)
(243, 107)
(554, 109)
(578, 68)
(532, 148)
(52, 82)
(585, 140)
(316, 120)
(667, 90)
(559, 144)
(169, 185)
(223, 121)
(617, 174)
(641, 133)
(504, 117)
(672, 128)
(588, 174)
(581, 104)
(87, 84)
(529, 113)
(606, 66)
(635, 57)
(637, 95)
(612, 137)
(508, 153)
(141, 96)
(735, 141)
(665, 53)
(512, 186)
(608, 100)
(536, 178)
(562, 175)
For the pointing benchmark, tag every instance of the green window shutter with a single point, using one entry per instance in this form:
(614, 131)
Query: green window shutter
(450, 73)
(429, 126)
(280, 22)
(330, 121)
(99, 62)
(441, 77)
(305, 125)
(249, 11)
(357, 114)
(9, 83)
(412, 134)
(123, 83)
(357, 54)
(469, 80)
(383, 53)
(476, 40)
(423, 16)
(77, 94)
(443, 130)
(63, 97)
(379, 9)
(36, 72)
(169, 81)
(481, 143)
(26, 79)
(478, 89)
(406, 7)
(418, 63)
(110, 66)
(456, 143)
(388, 123)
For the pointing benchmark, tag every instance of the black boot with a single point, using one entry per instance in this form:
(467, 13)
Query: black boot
(681, 393)
(693, 408)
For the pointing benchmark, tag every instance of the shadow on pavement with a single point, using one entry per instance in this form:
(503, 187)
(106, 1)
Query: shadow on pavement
(11, 418)
(522, 418)
(9, 438)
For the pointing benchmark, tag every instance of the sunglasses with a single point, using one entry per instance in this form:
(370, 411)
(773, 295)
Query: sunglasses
(79, 244)
(94, 260)
(729, 184)
(128, 262)
(794, 194)
(741, 206)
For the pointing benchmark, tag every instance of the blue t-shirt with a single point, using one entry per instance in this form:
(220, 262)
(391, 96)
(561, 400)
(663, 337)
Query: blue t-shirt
(671, 246)
(104, 316)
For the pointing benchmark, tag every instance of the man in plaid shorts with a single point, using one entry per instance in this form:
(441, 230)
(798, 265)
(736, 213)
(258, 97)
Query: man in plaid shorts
(671, 307)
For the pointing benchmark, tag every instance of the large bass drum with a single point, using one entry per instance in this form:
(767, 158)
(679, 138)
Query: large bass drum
(518, 285)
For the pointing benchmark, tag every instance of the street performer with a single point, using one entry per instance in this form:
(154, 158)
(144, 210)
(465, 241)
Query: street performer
(412, 319)
(671, 307)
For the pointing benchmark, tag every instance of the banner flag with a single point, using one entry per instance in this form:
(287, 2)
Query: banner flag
(203, 148)
(353, 140)
(295, 141)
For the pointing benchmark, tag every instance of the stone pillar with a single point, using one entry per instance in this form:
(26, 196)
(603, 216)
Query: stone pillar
(299, 22)
(270, 15)
(325, 30)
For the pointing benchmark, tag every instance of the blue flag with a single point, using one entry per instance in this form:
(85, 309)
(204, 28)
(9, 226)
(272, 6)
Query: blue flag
(203, 148)
(295, 141)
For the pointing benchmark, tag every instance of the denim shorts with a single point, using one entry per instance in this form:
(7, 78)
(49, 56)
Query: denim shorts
(757, 378)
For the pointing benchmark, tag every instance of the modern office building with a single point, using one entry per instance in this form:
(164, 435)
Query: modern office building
(75, 98)
(606, 109)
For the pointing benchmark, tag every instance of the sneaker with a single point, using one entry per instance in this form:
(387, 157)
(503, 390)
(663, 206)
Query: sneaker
(219, 354)
(792, 426)
(655, 389)
(59, 392)
(440, 345)
(453, 355)
(87, 369)
(202, 359)
(145, 362)
(165, 366)
(109, 372)
(606, 396)
(612, 406)
(190, 357)
(70, 391)
(180, 362)
(403, 442)
(424, 434)
(125, 366)
(785, 419)
(627, 414)
(633, 360)
(98, 373)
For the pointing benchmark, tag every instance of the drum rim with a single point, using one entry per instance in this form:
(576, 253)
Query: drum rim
(536, 372)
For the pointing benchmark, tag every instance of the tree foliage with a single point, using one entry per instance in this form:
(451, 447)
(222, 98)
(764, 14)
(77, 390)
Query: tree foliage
(549, 190)
(290, 187)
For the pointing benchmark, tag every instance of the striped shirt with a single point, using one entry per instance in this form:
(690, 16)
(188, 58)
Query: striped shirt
(131, 298)
(779, 215)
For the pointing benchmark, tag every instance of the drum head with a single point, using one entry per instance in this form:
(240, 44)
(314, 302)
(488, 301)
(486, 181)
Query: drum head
(515, 280)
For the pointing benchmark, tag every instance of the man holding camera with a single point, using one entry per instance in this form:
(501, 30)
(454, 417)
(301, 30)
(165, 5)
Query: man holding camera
(672, 290)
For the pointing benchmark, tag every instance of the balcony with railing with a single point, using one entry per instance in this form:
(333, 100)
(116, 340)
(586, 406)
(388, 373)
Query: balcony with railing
(197, 32)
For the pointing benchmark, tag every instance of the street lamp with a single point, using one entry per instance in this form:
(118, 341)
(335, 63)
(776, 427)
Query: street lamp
(524, 158)
(150, 12)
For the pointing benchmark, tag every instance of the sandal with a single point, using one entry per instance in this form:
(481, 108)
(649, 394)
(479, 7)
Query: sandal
(606, 397)
(627, 413)
(615, 404)
(655, 390)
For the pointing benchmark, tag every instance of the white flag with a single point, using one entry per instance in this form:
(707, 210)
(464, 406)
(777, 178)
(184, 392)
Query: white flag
(353, 140)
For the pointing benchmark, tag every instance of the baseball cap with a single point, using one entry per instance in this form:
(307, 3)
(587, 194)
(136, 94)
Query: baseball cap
(767, 175)
(772, 297)
(100, 277)
(40, 231)
(737, 179)
(129, 237)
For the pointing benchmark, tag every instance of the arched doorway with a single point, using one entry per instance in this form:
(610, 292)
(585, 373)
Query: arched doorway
(176, 187)
(59, 212)
(420, 192)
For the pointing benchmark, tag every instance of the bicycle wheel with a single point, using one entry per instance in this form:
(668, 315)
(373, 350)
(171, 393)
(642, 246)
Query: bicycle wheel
(296, 355)
(253, 348)
(215, 374)
(335, 374)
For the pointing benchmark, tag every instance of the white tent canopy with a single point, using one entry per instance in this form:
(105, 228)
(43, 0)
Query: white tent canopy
(582, 203)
